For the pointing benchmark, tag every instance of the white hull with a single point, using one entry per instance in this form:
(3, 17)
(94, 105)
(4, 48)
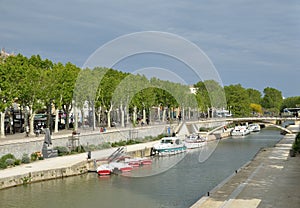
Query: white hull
(193, 145)
(240, 131)
(254, 127)
(169, 146)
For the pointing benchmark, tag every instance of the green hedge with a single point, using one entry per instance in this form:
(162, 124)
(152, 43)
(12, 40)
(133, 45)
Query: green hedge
(296, 145)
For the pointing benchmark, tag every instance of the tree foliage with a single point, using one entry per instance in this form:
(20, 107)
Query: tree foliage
(33, 82)
(254, 95)
(256, 108)
(291, 102)
(238, 100)
(209, 94)
(272, 99)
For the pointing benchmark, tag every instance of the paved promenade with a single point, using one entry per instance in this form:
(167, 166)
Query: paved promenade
(272, 179)
(57, 162)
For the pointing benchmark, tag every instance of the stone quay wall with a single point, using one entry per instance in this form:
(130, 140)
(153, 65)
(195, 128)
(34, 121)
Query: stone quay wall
(28, 146)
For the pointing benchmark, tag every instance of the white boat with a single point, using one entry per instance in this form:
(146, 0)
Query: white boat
(194, 141)
(169, 146)
(240, 131)
(104, 169)
(254, 127)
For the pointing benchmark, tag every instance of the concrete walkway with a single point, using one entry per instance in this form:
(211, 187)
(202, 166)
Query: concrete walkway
(52, 163)
(63, 162)
(272, 179)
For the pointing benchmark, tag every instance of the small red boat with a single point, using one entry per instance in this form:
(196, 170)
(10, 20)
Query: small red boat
(146, 161)
(136, 162)
(103, 170)
(123, 167)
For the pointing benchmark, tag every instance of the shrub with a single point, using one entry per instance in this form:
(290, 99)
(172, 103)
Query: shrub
(10, 162)
(3, 165)
(91, 147)
(296, 144)
(62, 150)
(17, 162)
(119, 143)
(34, 156)
(104, 145)
(80, 149)
(25, 159)
(4, 159)
(160, 136)
(7, 156)
(148, 138)
(203, 129)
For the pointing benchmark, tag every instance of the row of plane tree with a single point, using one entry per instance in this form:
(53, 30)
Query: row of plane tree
(37, 85)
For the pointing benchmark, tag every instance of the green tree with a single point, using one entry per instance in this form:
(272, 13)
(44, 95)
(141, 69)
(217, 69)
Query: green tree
(210, 95)
(291, 102)
(237, 100)
(202, 96)
(107, 87)
(254, 95)
(272, 100)
(35, 86)
(256, 108)
(67, 85)
(11, 73)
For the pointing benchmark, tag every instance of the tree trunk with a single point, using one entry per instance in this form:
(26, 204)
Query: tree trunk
(67, 110)
(56, 121)
(2, 128)
(164, 115)
(122, 116)
(75, 119)
(99, 116)
(134, 115)
(31, 122)
(127, 115)
(108, 116)
(158, 112)
(26, 124)
(150, 116)
(144, 115)
(93, 116)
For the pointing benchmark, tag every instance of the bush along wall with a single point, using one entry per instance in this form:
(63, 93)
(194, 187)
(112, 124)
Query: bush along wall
(296, 145)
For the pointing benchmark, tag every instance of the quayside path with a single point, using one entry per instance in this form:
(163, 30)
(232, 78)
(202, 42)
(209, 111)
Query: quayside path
(271, 179)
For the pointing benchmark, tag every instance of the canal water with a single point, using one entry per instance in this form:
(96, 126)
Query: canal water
(175, 181)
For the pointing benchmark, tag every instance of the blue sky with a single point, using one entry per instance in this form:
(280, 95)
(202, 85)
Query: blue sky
(251, 42)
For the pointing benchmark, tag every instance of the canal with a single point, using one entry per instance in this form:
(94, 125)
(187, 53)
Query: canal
(175, 181)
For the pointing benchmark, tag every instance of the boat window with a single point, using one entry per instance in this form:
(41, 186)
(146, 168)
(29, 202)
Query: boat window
(166, 141)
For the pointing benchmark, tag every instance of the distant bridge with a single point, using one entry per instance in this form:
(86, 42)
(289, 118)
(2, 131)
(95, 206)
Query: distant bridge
(273, 120)
(270, 121)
